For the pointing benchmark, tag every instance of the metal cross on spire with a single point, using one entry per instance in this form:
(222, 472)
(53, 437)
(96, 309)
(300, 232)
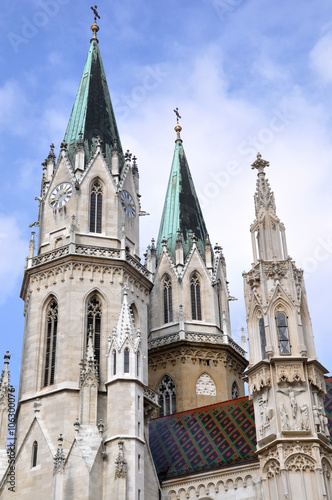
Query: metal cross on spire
(178, 117)
(94, 10)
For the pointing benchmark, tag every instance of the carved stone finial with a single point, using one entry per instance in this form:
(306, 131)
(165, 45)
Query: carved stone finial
(128, 155)
(51, 155)
(59, 458)
(135, 167)
(260, 164)
(63, 146)
(115, 147)
(77, 425)
(164, 242)
(101, 426)
(120, 462)
(194, 239)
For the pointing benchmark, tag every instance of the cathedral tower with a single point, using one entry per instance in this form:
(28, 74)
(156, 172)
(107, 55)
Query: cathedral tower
(83, 399)
(193, 360)
(286, 381)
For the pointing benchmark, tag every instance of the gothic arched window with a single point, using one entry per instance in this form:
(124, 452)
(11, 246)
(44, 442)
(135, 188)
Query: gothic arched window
(195, 297)
(126, 360)
(94, 312)
(51, 333)
(283, 335)
(34, 453)
(168, 304)
(167, 396)
(262, 336)
(235, 391)
(96, 204)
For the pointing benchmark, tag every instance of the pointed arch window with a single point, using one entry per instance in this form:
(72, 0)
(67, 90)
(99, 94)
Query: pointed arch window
(167, 396)
(168, 301)
(51, 334)
(235, 391)
(283, 334)
(262, 337)
(126, 360)
(96, 205)
(195, 297)
(34, 454)
(94, 314)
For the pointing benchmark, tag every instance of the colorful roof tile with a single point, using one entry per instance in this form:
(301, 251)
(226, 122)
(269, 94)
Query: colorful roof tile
(328, 403)
(206, 438)
(92, 113)
(210, 437)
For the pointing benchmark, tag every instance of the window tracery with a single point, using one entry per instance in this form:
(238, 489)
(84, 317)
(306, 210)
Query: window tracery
(168, 300)
(94, 314)
(283, 334)
(96, 204)
(195, 296)
(167, 396)
(51, 334)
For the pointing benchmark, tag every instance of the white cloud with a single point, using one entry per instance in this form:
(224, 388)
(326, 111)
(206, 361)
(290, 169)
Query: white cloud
(13, 252)
(320, 57)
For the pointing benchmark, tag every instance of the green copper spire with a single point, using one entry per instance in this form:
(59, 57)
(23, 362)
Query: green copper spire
(92, 115)
(182, 214)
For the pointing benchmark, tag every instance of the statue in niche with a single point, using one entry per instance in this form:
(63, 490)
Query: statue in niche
(291, 393)
(305, 425)
(316, 418)
(323, 420)
(284, 418)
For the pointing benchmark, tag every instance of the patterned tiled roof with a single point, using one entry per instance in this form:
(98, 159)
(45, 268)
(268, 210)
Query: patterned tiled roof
(328, 403)
(210, 437)
(203, 439)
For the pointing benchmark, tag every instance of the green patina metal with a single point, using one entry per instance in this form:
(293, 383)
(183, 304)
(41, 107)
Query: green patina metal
(92, 113)
(182, 210)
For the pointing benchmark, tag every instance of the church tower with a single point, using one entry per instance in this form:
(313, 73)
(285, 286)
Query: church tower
(84, 400)
(193, 360)
(286, 381)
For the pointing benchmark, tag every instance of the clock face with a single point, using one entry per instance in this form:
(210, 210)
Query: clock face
(60, 195)
(128, 204)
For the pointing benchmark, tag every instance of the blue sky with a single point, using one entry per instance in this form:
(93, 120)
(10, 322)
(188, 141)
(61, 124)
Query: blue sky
(247, 76)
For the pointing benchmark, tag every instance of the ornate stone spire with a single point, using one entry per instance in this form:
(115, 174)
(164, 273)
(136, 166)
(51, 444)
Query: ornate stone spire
(264, 197)
(268, 232)
(125, 328)
(89, 369)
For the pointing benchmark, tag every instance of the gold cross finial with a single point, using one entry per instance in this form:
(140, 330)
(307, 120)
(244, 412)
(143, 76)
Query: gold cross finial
(95, 27)
(178, 128)
(178, 117)
(94, 10)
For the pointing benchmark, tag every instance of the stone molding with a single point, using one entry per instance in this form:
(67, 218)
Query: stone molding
(192, 355)
(197, 337)
(87, 250)
(211, 484)
(90, 272)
